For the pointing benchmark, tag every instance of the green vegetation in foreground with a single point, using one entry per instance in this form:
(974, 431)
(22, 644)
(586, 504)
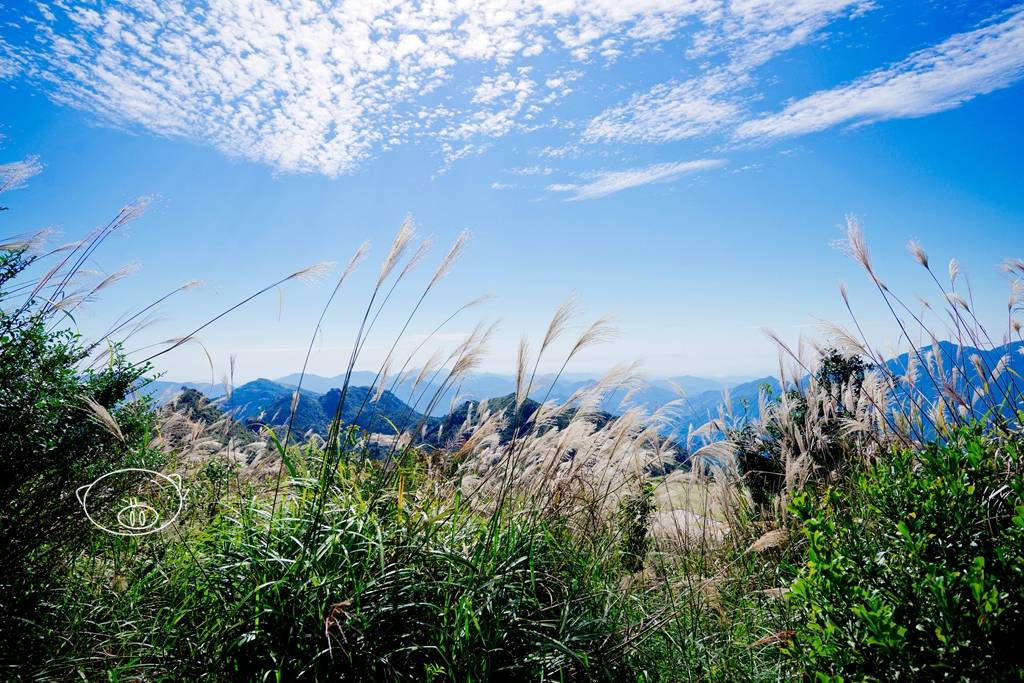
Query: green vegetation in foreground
(916, 563)
(915, 566)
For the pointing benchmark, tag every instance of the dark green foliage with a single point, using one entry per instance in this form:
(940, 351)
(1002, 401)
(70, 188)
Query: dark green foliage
(51, 444)
(759, 461)
(915, 567)
(759, 453)
(836, 374)
(635, 515)
(839, 371)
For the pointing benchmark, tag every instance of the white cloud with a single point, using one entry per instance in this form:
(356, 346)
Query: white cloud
(501, 186)
(748, 34)
(494, 87)
(932, 80)
(504, 106)
(668, 112)
(561, 187)
(306, 87)
(322, 85)
(9, 67)
(14, 175)
(609, 182)
(532, 170)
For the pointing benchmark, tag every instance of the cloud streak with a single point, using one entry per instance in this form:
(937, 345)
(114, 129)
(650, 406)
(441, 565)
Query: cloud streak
(610, 182)
(936, 79)
(747, 36)
(668, 112)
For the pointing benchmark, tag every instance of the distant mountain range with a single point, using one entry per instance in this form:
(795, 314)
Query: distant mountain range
(269, 401)
(475, 387)
(1008, 384)
(314, 412)
(162, 391)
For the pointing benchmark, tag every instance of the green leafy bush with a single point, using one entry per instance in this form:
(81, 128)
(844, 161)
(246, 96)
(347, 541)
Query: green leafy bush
(760, 446)
(915, 567)
(52, 444)
(635, 514)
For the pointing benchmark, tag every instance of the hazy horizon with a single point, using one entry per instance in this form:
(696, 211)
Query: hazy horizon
(568, 376)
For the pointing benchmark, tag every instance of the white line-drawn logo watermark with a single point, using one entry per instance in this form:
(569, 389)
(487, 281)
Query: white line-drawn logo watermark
(149, 501)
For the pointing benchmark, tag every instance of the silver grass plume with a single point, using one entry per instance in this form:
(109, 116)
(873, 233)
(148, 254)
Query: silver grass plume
(915, 248)
(450, 258)
(522, 360)
(102, 416)
(558, 323)
(600, 331)
(314, 272)
(25, 242)
(405, 233)
(378, 390)
(417, 256)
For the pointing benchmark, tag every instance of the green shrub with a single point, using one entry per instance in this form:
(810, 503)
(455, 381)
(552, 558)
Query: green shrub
(760, 446)
(635, 514)
(51, 445)
(915, 567)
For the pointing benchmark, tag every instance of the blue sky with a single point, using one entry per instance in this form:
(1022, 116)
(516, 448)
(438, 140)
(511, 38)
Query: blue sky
(685, 166)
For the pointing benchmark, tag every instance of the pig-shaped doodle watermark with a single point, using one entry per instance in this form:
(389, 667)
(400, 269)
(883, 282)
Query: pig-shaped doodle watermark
(132, 501)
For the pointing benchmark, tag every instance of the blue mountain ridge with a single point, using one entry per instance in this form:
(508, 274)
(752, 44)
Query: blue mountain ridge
(272, 398)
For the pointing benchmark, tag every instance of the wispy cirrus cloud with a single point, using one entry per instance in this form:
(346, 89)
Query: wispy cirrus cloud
(610, 182)
(306, 86)
(748, 35)
(668, 112)
(9, 66)
(932, 80)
